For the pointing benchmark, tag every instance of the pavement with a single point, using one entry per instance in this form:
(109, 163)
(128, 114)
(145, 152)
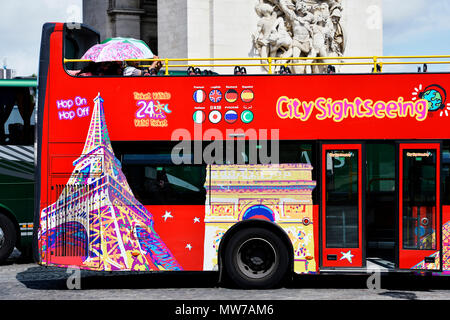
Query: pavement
(24, 280)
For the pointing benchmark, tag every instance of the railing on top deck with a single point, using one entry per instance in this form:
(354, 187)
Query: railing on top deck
(271, 62)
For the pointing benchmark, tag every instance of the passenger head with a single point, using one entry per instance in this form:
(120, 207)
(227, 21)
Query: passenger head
(112, 68)
(90, 69)
(190, 71)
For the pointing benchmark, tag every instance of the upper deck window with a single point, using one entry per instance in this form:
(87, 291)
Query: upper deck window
(76, 43)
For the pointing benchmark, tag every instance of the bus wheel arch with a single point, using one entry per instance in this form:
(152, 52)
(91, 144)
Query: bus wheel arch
(271, 236)
(10, 229)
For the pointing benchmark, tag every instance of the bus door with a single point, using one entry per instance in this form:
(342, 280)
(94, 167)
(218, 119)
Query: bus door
(419, 206)
(341, 212)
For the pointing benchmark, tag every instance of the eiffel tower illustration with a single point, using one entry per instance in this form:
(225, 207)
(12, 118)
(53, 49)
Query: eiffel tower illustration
(97, 217)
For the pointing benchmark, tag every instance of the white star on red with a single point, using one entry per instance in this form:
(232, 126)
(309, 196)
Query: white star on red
(167, 215)
(348, 255)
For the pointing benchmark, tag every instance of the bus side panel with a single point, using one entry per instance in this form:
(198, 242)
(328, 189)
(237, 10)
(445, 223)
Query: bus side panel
(182, 228)
(129, 118)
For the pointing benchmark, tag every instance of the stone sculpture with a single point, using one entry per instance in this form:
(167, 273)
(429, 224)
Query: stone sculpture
(299, 28)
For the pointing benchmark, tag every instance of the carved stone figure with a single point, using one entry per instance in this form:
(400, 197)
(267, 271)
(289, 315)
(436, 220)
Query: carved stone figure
(338, 38)
(265, 25)
(280, 41)
(300, 28)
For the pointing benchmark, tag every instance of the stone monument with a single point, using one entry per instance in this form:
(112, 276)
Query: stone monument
(245, 28)
(303, 28)
(123, 18)
(278, 28)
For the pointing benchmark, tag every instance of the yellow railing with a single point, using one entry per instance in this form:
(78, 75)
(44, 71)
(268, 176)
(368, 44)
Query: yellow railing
(271, 62)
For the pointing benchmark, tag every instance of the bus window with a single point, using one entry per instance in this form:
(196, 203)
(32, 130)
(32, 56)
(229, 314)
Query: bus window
(156, 180)
(419, 199)
(76, 42)
(262, 152)
(17, 116)
(342, 199)
(301, 152)
(297, 152)
(380, 167)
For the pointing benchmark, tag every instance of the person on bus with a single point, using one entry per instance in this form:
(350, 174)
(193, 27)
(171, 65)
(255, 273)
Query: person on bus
(331, 69)
(90, 70)
(107, 68)
(111, 68)
(240, 70)
(131, 68)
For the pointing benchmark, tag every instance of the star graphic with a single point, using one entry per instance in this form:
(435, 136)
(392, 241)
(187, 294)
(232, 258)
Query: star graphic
(159, 106)
(348, 255)
(167, 215)
(188, 246)
(196, 220)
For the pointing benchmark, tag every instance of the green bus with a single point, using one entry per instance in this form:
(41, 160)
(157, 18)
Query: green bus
(17, 131)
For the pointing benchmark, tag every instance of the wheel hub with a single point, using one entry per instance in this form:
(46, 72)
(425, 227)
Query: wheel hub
(256, 258)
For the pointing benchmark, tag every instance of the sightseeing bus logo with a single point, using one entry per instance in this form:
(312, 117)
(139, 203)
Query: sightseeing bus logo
(151, 112)
(436, 96)
(339, 110)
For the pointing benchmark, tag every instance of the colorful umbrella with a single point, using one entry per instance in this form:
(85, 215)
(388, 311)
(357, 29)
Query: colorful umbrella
(114, 51)
(148, 54)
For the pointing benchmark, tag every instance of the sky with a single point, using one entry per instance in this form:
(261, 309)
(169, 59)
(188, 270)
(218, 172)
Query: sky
(21, 24)
(416, 27)
(411, 27)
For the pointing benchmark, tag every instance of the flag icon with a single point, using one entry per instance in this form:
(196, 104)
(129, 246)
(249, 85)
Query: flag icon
(199, 116)
(215, 96)
(199, 96)
(231, 95)
(247, 116)
(247, 95)
(231, 116)
(215, 116)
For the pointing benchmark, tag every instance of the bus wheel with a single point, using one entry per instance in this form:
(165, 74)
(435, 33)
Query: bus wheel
(256, 258)
(7, 237)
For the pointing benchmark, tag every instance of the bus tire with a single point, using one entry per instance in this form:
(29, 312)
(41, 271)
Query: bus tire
(256, 258)
(8, 236)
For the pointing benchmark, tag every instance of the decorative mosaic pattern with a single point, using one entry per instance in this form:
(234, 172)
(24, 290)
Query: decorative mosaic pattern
(278, 193)
(429, 266)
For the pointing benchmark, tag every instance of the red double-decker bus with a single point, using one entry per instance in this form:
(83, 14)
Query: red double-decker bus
(258, 176)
